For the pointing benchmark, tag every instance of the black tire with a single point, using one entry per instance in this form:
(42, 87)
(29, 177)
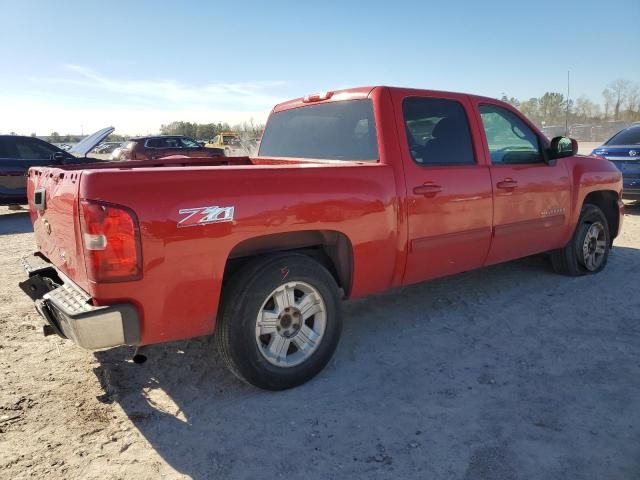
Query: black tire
(244, 297)
(571, 260)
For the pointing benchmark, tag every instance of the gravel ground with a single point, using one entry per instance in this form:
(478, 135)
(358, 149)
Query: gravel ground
(510, 372)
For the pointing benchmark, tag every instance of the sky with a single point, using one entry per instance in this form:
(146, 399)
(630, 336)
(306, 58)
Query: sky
(77, 66)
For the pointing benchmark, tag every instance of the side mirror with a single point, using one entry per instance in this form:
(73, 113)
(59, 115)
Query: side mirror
(563, 147)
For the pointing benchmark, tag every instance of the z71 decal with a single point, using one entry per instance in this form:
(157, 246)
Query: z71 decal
(205, 215)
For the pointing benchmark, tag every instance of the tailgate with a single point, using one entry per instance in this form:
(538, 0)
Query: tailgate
(56, 223)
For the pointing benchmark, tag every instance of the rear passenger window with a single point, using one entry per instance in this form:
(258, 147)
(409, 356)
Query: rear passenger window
(4, 151)
(155, 143)
(173, 143)
(32, 150)
(437, 131)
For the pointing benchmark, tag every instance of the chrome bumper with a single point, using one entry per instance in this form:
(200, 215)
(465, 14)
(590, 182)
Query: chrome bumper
(68, 311)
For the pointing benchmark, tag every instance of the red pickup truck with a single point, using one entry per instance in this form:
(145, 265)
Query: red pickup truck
(352, 192)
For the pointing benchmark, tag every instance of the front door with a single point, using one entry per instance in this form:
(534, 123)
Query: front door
(449, 199)
(531, 197)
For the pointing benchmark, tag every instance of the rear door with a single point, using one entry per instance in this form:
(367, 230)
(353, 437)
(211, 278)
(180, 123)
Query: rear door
(531, 203)
(448, 185)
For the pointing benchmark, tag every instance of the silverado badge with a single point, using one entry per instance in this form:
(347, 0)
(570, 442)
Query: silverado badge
(205, 215)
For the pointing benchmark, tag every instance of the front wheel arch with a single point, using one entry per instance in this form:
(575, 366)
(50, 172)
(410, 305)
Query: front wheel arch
(570, 259)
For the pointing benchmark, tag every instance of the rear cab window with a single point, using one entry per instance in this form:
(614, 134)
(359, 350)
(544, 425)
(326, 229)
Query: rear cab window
(341, 130)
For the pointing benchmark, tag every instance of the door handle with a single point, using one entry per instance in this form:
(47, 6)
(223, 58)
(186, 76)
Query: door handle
(427, 189)
(507, 184)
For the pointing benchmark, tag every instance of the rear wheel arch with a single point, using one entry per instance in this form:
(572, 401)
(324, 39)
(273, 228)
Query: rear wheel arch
(330, 248)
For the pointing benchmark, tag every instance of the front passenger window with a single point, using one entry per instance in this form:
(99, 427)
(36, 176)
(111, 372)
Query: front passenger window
(510, 140)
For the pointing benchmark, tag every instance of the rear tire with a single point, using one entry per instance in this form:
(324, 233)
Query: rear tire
(588, 250)
(280, 321)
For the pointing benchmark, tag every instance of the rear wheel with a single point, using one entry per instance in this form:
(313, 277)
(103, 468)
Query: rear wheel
(588, 250)
(280, 321)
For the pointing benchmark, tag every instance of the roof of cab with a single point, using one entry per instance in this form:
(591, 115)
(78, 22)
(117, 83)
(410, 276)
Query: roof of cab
(336, 95)
(364, 92)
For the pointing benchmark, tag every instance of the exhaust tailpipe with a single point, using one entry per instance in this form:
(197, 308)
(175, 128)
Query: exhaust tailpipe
(139, 356)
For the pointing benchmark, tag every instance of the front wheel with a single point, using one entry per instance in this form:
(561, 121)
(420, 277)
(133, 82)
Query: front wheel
(588, 250)
(280, 321)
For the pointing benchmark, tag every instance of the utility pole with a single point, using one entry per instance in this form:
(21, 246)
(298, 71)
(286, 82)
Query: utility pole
(566, 115)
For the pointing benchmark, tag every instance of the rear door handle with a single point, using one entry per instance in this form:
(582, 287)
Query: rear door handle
(427, 189)
(507, 184)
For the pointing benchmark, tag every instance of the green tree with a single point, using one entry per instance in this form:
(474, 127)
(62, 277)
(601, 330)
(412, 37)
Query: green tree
(510, 100)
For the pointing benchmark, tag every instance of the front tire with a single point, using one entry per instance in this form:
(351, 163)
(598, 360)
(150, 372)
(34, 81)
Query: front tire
(280, 321)
(588, 250)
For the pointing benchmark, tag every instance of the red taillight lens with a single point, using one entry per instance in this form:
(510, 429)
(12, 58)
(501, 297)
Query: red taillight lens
(111, 240)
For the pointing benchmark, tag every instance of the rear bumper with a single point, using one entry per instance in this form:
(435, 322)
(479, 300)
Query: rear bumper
(68, 311)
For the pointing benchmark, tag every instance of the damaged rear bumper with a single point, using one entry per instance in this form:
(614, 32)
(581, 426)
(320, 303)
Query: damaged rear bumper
(68, 311)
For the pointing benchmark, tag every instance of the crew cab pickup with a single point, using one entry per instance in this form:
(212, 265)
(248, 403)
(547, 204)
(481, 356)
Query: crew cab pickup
(352, 192)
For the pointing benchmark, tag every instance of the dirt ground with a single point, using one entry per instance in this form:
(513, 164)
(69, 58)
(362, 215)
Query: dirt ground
(510, 372)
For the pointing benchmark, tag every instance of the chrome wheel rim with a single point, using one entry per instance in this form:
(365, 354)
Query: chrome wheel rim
(594, 246)
(290, 324)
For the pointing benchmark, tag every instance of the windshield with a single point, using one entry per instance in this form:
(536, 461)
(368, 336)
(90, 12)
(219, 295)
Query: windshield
(230, 140)
(332, 131)
(189, 143)
(629, 136)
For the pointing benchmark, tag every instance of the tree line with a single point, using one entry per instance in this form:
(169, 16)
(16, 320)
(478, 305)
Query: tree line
(206, 131)
(620, 102)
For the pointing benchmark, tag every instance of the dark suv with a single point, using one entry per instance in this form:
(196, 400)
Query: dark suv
(151, 148)
(18, 153)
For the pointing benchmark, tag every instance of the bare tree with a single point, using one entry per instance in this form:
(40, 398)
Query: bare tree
(633, 102)
(619, 90)
(608, 101)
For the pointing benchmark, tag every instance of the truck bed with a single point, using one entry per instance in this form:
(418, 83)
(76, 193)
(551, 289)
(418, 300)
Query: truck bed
(269, 196)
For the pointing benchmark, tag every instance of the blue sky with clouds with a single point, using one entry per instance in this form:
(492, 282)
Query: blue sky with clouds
(72, 65)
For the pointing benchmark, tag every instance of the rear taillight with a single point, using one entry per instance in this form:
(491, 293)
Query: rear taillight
(111, 239)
